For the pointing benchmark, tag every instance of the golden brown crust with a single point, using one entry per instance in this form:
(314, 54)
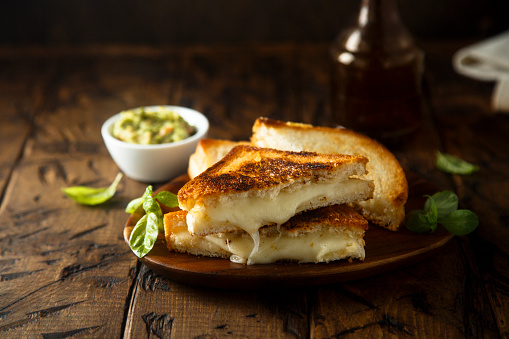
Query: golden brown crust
(400, 193)
(330, 216)
(335, 215)
(391, 187)
(247, 168)
(173, 222)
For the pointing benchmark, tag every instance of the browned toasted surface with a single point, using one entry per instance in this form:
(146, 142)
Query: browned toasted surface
(246, 168)
(336, 215)
(357, 142)
(390, 180)
(330, 216)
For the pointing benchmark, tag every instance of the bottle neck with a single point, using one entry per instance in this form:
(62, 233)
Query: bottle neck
(378, 12)
(381, 27)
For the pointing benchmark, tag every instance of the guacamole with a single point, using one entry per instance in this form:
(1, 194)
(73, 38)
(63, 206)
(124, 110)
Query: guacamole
(148, 126)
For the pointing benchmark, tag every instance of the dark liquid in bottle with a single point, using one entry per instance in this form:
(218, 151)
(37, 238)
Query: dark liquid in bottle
(383, 102)
(377, 74)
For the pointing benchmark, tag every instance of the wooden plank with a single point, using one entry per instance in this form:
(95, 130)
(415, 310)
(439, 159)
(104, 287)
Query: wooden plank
(17, 86)
(238, 89)
(429, 299)
(472, 131)
(62, 260)
(168, 309)
(66, 269)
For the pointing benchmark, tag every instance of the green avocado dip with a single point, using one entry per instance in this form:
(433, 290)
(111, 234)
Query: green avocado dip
(148, 126)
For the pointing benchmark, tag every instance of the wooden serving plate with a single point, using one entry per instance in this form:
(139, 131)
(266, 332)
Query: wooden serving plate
(385, 251)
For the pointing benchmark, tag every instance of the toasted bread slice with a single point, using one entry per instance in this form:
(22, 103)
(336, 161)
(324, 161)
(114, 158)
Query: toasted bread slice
(178, 238)
(252, 187)
(387, 208)
(208, 152)
(321, 235)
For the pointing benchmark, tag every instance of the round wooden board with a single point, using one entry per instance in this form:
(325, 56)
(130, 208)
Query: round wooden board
(385, 251)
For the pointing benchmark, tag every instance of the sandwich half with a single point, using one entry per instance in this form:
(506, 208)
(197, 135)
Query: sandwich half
(387, 208)
(252, 187)
(321, 235)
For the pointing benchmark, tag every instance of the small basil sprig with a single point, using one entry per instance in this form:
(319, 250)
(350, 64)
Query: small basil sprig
(442, 208)
(451, 164)
(92, 196)
(146, 230)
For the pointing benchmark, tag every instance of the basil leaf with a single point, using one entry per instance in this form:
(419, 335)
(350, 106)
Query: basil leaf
(148, 193)
(134, 205)
(137, 203)
(146, 230)
(137, 238)
(151, 231)
(451, 164)
(430, 207)
(167, 198)
(446, 202)
(418, 222)
(144, 235)
(461, 222)
(150, 205)
(442, 208)
(92, 196)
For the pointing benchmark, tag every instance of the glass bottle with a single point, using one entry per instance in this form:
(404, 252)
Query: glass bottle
(377, 74)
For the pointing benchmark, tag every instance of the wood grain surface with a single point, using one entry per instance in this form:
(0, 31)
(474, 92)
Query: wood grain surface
(65, 270)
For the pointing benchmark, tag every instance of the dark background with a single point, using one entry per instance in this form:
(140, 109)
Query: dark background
(54, 22)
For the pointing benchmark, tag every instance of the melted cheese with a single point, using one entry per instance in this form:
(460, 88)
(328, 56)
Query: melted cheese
(254, 212)
(308, 247)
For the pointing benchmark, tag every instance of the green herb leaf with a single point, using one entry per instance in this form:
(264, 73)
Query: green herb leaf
(418, 222)
(152, 230)
(433, 226)
(146, 230)
(451, 164)
(167, 199)
(150, 205)
(137, 238)
(446, 202)
(442, 208)
(148, 193)
(461, 222)
(92, 196)
(134, 205)
(431, 210)
(144, 234)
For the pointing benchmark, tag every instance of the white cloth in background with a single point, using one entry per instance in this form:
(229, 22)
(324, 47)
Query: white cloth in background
(488, 60)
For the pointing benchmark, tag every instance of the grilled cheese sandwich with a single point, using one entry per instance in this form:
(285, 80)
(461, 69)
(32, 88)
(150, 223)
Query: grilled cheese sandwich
(321, 235)
(253, 187)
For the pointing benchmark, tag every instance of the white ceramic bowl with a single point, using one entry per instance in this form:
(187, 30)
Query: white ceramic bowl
(155, 163)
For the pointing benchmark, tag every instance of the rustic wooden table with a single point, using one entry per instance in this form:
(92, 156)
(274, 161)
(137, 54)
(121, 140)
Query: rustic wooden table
(66, 271)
